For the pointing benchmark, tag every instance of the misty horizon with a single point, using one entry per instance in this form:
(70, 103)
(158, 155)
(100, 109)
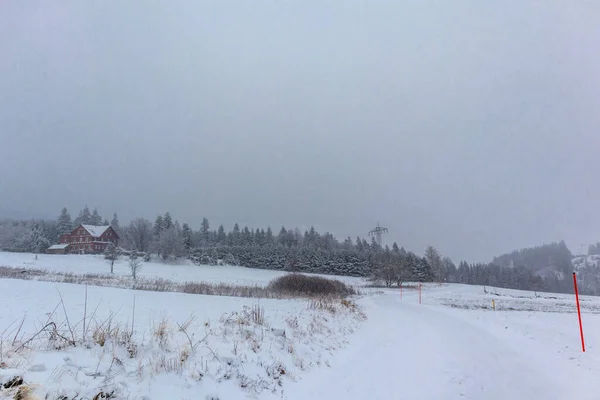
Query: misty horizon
(471, 127)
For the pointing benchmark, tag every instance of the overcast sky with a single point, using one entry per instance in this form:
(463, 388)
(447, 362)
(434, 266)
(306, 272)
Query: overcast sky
(473, 126)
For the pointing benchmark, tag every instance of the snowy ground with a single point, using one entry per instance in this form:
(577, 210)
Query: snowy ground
(182, 272)
(438, 351)
(183, 346)
(453, 346)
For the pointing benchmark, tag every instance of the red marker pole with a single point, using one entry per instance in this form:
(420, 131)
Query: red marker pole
(578, 311)
(419, 292)
(400, 291)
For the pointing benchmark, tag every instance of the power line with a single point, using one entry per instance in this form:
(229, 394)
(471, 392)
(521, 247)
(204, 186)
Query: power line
(378, 232)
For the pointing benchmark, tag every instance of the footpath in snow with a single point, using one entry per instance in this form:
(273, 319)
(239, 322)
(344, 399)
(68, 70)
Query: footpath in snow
(412, 351)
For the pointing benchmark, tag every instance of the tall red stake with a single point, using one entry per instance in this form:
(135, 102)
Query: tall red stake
(578, 311)
(400, 291)
(419, 292)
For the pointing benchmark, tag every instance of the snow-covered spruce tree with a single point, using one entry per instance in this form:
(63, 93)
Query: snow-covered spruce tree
(236, 235)
(186, 234)
(167, 221)
(221, 236)
(158, 227)
(85, 217)
(246, 237)
(269, 238)
(115, 223)
(95, 219)
(205, 232)
(64, 223)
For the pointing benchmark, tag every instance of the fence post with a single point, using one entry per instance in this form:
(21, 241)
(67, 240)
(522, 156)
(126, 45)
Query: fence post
(578, 311)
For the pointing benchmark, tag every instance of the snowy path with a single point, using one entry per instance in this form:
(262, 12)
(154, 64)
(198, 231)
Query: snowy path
(408, 351)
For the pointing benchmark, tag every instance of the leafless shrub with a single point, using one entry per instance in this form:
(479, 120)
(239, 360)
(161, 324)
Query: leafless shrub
(135, 265)
(299, 284)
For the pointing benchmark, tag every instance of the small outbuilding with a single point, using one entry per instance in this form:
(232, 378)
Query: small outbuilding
(58, 249)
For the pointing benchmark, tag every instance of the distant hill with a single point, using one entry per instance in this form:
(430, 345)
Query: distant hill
(540, 259)
(555, 263)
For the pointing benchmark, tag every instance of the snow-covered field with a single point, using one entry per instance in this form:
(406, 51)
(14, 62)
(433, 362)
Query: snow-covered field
(183, 346)
(453, 346)
(181, 272)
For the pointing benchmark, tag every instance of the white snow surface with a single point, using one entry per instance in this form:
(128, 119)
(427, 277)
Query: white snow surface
(96, 230)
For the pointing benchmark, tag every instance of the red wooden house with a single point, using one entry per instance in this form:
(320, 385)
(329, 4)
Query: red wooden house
(89, 239)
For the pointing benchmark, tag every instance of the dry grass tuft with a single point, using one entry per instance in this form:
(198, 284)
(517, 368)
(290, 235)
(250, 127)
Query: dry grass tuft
(258, 314)
(104, 395)
(161, 333)
(167, 364)
(323, 304)
(24, 393)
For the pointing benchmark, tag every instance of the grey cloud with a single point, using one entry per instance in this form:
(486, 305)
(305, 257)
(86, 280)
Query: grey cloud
(472, 126)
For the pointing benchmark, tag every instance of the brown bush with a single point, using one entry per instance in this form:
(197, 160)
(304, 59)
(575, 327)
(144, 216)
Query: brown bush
(298, 284)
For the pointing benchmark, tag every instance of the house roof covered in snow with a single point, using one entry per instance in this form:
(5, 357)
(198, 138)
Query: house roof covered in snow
(58, 246)
(96, 231)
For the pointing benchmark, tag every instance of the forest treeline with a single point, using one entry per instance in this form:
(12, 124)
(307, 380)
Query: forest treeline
(542, 268)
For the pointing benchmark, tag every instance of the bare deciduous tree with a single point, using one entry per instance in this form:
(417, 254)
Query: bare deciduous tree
(138, 235)
(435, 262)
(135, 265)
(111, 254)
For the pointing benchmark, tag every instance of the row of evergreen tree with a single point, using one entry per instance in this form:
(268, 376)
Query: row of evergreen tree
(542, 268)
(85, 217)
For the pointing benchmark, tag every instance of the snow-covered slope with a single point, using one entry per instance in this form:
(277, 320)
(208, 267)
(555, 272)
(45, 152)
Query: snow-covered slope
(182, 272)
